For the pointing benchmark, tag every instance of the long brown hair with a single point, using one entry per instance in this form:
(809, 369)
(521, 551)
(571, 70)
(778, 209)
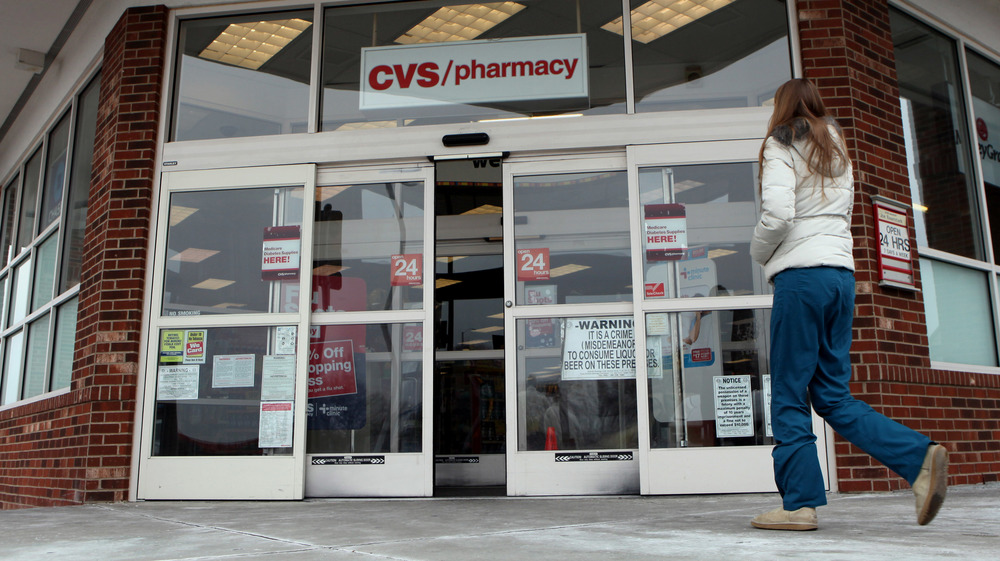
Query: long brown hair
(797, 102)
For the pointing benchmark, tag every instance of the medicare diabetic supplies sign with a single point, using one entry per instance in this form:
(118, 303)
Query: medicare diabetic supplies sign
(599, 348)
(280, 256)
(474, 72)
(665, 229)
(895, 260)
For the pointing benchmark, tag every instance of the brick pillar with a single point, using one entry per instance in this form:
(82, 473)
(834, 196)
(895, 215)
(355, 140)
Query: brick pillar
(847, 51)
(110, 320)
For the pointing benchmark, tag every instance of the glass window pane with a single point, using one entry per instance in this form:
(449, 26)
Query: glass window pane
(959, 320)
(216, 265)
(368, 247)
(29, 197)
(19, 294)
(79, 186)
(243, 75)
(357, 375)
(45, 272)
(55, 173)
(9, 217)
(946, 216)
(734, 55)
(230, 395)
(488, 81)
(38, 350)
(984, 80)
(572, 238)
(13, 355)
(722, 395)
(62, 359)
(713, 207)
(576, 388)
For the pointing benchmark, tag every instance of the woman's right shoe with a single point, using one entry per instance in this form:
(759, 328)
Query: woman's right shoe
(931, 485)
(781, 519)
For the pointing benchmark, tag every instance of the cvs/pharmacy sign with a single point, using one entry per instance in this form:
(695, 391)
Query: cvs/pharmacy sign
(475, 72)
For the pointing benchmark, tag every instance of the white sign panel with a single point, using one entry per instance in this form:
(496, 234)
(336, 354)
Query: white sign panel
(233, 371)
(277, 378)
(177, 382)
(474, 72)
(599, 348)
(275, 424)
(733, 406)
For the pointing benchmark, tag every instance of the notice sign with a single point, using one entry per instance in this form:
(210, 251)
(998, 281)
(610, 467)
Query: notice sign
(275, 424)
(894, 257)
(171, 346)
(280, 258)
(733, 406)
(407, 269)
(665, 232)
(599, 348)
(331, 369)
(177, 382)
(505, 71)
(194, 346)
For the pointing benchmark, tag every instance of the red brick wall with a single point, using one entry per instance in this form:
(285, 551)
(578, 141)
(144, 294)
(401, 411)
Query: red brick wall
(847, 50)
(77, 447)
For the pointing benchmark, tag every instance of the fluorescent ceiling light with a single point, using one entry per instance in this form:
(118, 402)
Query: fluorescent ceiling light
(441, 283)
(717, 253)
(251, 44)
(566, 270)
(656, 18)
(485, 209)
(475, 342)
(329, 192)
(179, 213)
(229, 305)
(368, 125)
(496, 316)
(920, 207)
(490, 329)
(459, 23)
(563, 116)
(213, 284)
(686, 185)
(450, 258)
(194, 255)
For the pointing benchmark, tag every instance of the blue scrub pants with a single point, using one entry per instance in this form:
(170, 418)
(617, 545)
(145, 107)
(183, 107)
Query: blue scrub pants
(810, 361)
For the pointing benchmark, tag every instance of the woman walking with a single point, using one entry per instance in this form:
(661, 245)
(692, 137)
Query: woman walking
(803, 241)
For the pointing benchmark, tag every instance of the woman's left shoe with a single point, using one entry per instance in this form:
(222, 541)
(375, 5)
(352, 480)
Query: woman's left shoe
(932, 483)
(781, 519)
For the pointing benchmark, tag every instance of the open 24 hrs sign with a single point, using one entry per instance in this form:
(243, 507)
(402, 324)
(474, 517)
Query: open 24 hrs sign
(895, 260)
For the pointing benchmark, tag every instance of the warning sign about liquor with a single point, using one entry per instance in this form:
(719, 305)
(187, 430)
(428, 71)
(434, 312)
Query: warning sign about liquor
(533, 264)
(599, 348)
(733, 406)
(665, 232)
(407, 269)
(894, 257)
(331, 369)
(280, 258)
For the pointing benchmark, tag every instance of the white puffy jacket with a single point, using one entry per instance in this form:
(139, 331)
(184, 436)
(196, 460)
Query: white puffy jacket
(800, 225)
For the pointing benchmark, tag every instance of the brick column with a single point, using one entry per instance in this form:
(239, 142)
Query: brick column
(847, 50)
(110, 320)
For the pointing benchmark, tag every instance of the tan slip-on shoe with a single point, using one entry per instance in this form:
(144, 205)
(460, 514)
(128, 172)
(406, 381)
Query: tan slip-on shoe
(931, 485)
(781, 519)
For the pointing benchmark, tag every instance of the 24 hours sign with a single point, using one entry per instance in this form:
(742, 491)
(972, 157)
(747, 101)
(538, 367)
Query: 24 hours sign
(894, 256)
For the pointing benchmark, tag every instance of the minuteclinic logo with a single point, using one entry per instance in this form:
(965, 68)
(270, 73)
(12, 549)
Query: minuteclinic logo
(476, 72)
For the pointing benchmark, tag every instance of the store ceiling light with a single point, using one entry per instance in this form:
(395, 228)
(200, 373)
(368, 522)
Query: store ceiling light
(252, 44)
(328, 270)
(194, 255)
(489, 329)
(656, 18)
(180, 213)
(485, 209)
(213, 284)
(459, 23)
(441, 283)
(567, 269)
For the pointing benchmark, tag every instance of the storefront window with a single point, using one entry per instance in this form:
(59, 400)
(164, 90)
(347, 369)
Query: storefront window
(217, 264)
(576, 384)
(707, 55)
(721, 396)
(243, 75)
(572, 240)
(368, 247)
(75, 220)
(984, 80)
(959, 325)
(225, 391)
(417, 63)
(8, 217)
(698, 221)
(62, 359)
(34, 367)
(946, 216)
(365, 389)
(55, 173)
(29, 198)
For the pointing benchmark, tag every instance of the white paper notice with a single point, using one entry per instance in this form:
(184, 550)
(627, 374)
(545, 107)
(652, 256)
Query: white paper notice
(278, 378)
(177, 382)
(233, 371)
(766, 383)
(275, 424)
(733, 406)
(598, 348)
(284, 340)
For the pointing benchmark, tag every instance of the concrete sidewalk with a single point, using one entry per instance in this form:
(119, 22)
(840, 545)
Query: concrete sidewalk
(852, 527)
